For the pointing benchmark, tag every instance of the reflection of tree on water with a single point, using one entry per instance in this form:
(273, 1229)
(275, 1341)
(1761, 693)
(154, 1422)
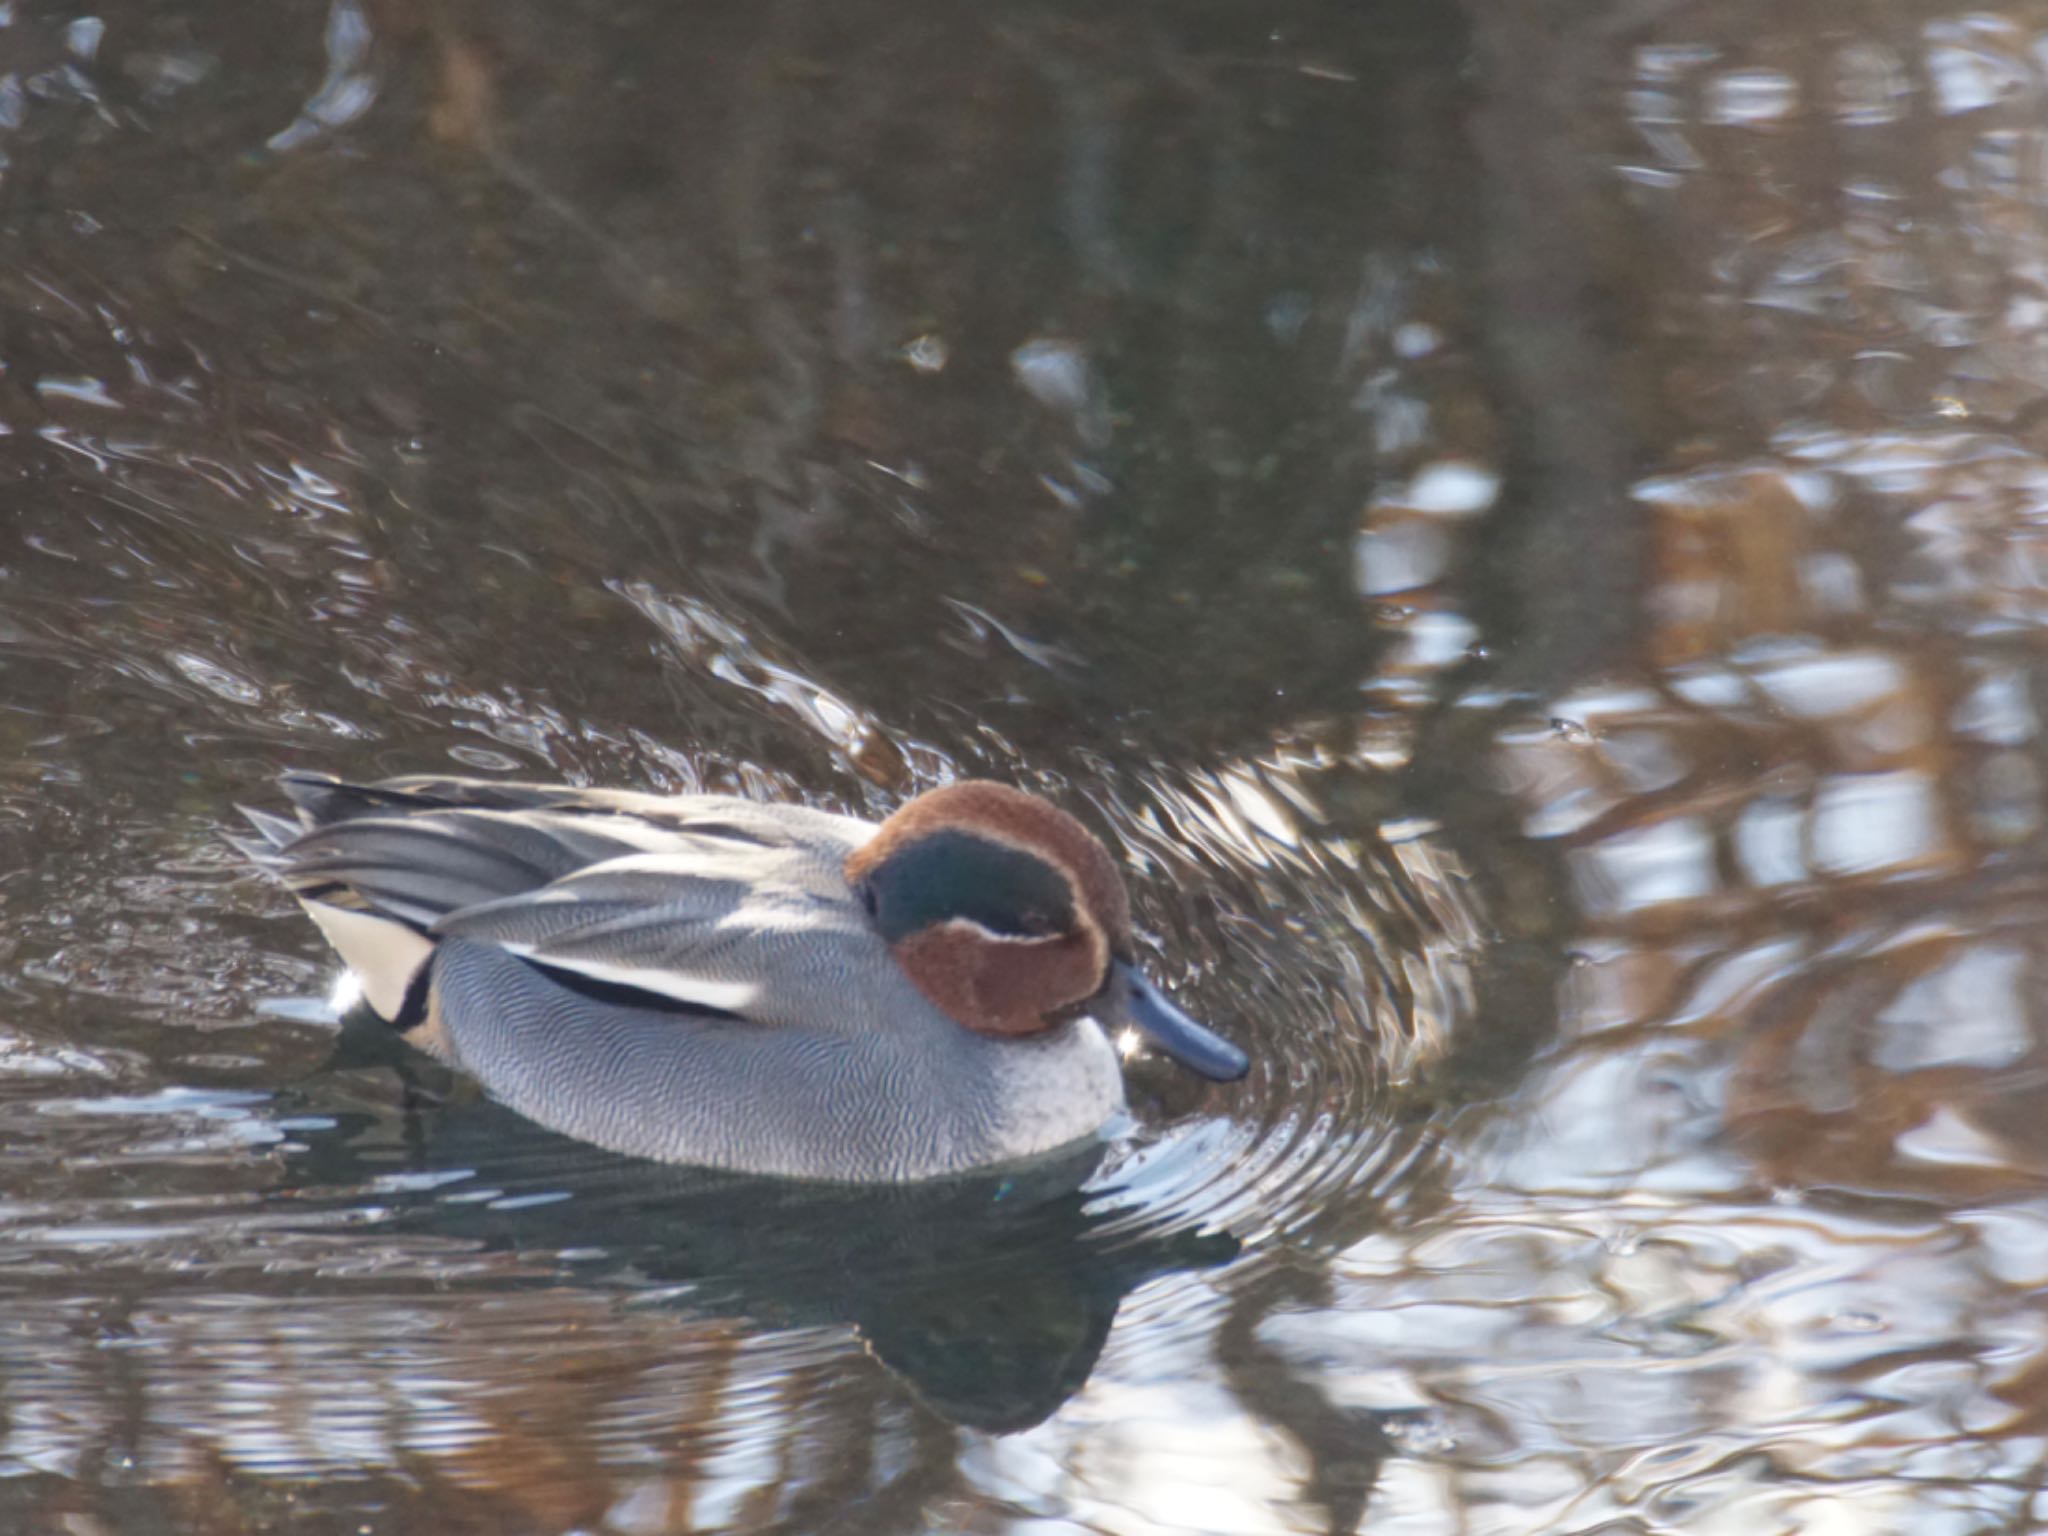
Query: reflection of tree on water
(1792, 1107)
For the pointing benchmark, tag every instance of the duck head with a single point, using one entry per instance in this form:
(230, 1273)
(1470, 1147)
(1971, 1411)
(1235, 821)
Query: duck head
(1010, 917)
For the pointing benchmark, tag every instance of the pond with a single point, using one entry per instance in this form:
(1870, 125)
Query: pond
(1526, 531)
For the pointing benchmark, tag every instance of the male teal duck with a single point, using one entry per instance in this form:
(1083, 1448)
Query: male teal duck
(764, 988)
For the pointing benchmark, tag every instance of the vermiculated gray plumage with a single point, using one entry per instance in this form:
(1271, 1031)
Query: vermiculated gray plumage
(687, 978)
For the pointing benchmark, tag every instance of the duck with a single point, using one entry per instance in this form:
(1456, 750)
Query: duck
(762, 987)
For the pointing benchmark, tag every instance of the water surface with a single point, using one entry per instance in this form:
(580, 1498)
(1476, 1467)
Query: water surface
(1525, 532)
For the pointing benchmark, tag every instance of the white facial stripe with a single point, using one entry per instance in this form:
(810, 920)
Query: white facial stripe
(1098, 941)
(969, 925)
(1085, 921)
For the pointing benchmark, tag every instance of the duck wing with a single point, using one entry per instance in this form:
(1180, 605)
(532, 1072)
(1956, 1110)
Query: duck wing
(750, 931)
(698, 902)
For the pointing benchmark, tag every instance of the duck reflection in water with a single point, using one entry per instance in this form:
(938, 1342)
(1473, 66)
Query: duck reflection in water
(989, 1294)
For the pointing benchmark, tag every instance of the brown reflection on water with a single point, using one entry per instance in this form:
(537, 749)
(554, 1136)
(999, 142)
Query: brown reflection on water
(541, 1410)
(1756, 1238)
(1527, 532)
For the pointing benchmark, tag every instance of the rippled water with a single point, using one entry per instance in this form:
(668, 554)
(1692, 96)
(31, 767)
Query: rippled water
(1524, 530)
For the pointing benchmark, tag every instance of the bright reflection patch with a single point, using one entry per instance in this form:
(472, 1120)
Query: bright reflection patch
(1872, 821)
(346, 995)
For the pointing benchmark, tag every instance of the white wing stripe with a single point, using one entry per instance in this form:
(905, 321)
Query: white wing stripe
(680, 986)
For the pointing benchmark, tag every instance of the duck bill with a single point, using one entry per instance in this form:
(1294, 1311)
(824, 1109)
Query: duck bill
(1165, 1026)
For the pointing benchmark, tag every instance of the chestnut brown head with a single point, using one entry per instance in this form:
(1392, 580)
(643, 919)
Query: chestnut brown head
(1010, 917)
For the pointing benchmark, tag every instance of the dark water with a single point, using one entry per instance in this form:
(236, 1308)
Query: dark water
(1527, 528)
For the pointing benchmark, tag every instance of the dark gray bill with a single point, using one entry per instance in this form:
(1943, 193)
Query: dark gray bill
(1197, 1049)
